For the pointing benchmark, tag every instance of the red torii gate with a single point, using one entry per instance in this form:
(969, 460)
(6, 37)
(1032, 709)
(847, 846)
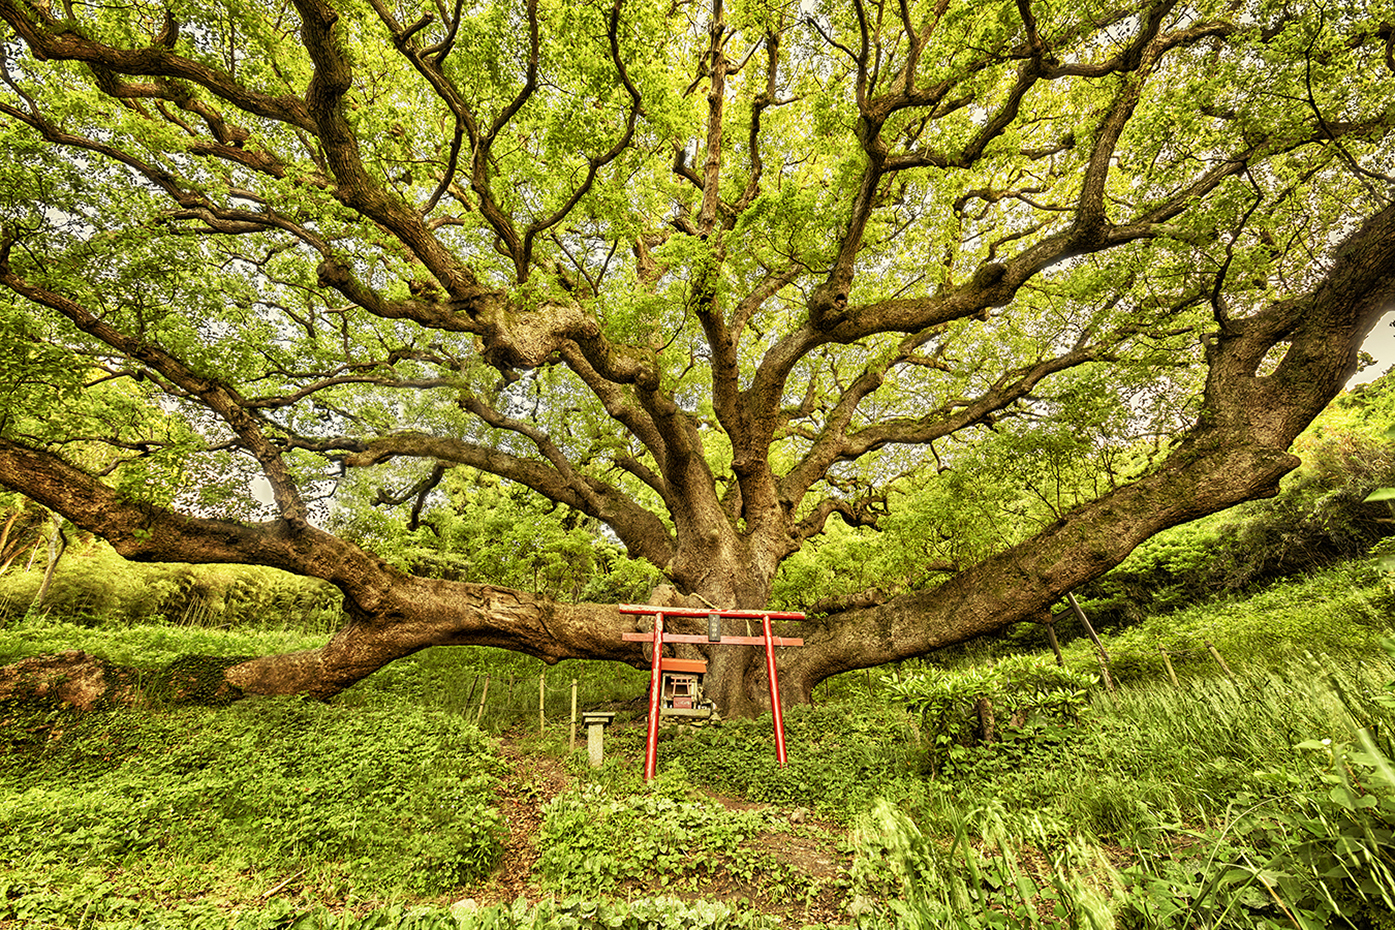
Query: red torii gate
(658, 637)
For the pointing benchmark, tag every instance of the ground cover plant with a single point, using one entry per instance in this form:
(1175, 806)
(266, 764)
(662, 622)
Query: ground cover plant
(1266, 799)
(593, 843)
(365, 802)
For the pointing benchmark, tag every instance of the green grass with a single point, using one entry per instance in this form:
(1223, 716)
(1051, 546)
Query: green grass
(1267, 800)
(1342, 612)
(368, 803)
(94, 586)
(146, 646)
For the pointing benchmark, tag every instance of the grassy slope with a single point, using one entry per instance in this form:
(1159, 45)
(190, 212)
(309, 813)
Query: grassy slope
(1157, 809)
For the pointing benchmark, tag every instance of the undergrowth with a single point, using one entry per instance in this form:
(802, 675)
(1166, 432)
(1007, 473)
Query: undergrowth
(113, 911)
(1005, 794)
(371, 802)
(593, 842)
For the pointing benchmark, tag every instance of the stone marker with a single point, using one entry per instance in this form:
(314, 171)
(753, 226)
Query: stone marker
(596, 722)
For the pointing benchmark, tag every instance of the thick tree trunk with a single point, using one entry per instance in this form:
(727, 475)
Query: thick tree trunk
(394, 614)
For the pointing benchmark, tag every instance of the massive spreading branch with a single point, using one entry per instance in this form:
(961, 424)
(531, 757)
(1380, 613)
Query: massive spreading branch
(710, 276)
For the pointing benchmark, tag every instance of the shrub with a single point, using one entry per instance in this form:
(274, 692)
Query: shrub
(960, 709)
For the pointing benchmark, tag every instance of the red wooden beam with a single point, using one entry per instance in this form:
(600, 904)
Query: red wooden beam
(703, 612)
(698, 638)
(776, 711)
(651, 745)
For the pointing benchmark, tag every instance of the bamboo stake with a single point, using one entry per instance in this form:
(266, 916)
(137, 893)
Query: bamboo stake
(1167, 661)
(573, 741)
(1217, 655)
(1050, 623)
(470, 695)
(483, 694)
(542, 698)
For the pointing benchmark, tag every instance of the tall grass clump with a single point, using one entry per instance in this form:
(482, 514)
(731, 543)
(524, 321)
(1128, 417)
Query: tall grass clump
(980, 876)
(1263, 801)
(1319, 854)
(1342, 612)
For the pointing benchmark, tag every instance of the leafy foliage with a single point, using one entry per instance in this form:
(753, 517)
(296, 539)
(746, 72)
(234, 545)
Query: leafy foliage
(592, 844)
(394, 798)
(1384, 494)
(99, 908)
(847, 758)
(498, 532)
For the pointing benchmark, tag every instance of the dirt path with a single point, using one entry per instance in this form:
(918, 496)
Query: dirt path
(534, 779)
(803, 847)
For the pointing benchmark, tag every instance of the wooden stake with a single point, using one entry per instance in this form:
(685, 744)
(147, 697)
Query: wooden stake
(470, 695)
(1051, 637)
(1217, 655)
(542, 697)
(483, 694)
(1101, 654)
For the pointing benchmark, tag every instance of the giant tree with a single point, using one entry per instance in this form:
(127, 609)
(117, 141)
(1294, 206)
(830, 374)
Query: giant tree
(712, 274)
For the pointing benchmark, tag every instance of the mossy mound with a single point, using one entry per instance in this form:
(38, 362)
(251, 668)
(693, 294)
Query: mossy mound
(197, 679)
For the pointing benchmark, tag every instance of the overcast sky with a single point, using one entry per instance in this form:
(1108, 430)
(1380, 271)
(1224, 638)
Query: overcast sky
(1381, 344)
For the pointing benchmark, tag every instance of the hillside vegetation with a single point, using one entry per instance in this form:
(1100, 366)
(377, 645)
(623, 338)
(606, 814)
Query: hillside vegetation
(1266, 800)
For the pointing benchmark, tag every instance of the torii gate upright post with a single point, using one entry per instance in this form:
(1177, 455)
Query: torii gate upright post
(776, 711)
(658, 637)
(655, 696)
